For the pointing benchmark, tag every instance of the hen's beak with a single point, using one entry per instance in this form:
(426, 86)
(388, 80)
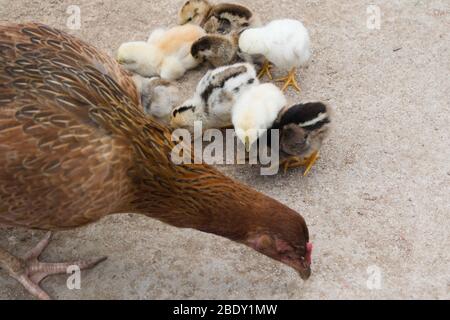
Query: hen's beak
(305, 273)
(302, 267)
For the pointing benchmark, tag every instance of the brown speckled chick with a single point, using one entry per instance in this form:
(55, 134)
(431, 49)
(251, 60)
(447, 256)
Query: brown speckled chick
(219, 50)
(222, 50)
(223, 18)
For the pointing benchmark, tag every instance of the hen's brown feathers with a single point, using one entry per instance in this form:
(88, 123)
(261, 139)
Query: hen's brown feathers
(76, 122)
(75, 145)
(56, 97)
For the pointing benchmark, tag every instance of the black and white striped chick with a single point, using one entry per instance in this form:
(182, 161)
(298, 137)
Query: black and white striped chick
(214, 97)
(303, 129)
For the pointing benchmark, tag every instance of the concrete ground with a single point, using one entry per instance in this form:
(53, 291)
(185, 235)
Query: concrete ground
(377, 203)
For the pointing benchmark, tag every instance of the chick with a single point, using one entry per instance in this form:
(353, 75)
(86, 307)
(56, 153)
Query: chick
(194, 11)
(215, 96)
(217, 49)
(166, 53)
(158, 96)
(303, 128)
(255, 111)
(225, 18)
(285, 43)
(222, 18)
(221, 50)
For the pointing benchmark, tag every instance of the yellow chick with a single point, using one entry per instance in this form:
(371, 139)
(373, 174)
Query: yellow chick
(255, 111)
(167, 53)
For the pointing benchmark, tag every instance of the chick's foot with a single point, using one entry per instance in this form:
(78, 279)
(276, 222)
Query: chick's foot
(292, 162)
(295, 162)
(265, 70)
(290, 80)
(29, 271)
(309, 162)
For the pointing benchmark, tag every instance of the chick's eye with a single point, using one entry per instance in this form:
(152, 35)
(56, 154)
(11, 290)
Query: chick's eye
(189, 19)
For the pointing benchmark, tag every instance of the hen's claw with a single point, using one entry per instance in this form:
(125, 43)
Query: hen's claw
(290, 80)
(266, 70)
(30, 271)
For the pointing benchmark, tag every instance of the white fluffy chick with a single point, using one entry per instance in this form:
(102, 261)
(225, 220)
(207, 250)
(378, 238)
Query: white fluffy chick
(167, 53)
(158, 96)
(255, 111)
(285, 43)
(215, 96)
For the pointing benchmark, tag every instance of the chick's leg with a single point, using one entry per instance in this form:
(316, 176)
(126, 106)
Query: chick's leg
(290, 80)
(29, 271)
(266, 70)
(295, 162)
(309, 162)
(292, 162)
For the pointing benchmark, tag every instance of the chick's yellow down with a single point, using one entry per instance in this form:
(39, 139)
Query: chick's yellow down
(167, 53)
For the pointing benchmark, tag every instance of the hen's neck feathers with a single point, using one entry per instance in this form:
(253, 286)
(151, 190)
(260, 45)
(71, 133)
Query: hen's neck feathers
(199, 197)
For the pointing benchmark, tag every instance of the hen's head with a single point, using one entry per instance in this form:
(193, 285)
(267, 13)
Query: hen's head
(194, 11)
(283, 236)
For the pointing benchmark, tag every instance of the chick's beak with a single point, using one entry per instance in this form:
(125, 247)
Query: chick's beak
(120, 60)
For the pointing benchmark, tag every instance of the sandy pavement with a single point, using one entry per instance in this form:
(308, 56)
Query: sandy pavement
(377, 200)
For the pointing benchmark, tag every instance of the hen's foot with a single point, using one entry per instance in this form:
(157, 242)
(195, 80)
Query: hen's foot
(29, 271)
(265, 70)
(290, 80)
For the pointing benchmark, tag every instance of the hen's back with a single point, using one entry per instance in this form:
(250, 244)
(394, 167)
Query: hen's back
(63, 105)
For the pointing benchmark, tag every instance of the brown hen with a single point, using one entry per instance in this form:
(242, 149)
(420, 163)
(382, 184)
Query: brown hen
(75, 146)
